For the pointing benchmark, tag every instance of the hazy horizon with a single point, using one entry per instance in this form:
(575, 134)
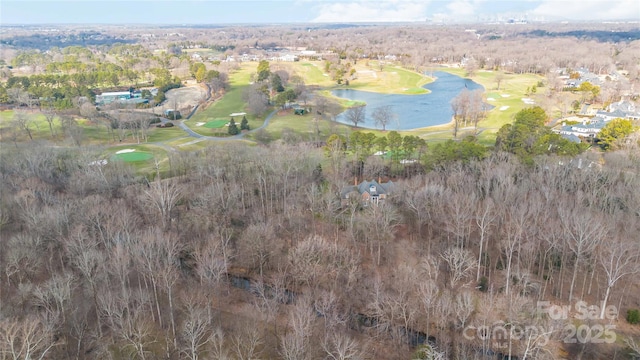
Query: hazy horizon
(215, 12)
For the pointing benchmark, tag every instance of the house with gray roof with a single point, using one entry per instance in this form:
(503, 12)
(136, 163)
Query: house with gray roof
(610, 115)
(626, 108)
(587, 128)
(368, 192)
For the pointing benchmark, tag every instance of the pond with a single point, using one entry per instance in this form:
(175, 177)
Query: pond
(412, 111)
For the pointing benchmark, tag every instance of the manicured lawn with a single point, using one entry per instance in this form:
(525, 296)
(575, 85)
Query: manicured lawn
(157, 157)
(392, 80)
(312, 72)
(134, 156)
(231, 102)
(304, 125)
(165, 134)
(216, 124)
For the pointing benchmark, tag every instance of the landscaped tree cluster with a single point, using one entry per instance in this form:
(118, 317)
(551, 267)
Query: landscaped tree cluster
(528, 137)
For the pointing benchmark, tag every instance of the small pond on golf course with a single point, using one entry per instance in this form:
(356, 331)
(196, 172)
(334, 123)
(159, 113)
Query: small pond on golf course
(412, 111)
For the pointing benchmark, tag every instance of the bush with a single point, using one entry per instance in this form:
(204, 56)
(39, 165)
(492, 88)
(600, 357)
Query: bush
(633, 316)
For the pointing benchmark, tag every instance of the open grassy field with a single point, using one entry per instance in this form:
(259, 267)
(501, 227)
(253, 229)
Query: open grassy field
(143, 159)
(369, 77)
(92, 133)
(230, 103)
(304, 125)
(216, 124)
(134, 156)
(392, 80)
(311, 71)
(165, 134)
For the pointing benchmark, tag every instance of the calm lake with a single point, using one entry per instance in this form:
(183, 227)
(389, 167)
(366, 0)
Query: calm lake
(412, 111)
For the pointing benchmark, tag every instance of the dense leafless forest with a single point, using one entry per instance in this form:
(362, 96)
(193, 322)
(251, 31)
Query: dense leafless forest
(248, 252)
(253, 251)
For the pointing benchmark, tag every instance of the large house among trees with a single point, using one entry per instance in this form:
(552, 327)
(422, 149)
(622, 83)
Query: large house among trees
(369, 192)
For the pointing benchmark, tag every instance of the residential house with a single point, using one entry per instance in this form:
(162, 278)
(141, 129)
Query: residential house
(368, 192)
(610, 115)
(587, 128)
(629, 109)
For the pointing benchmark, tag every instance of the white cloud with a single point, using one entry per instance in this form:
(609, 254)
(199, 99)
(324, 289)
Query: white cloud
(589, 9)
(371, 11)
(462, 8)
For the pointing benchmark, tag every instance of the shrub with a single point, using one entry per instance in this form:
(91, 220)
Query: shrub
(633, 316)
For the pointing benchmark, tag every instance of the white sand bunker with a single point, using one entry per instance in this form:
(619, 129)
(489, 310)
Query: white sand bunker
(199, 123)
(124, 151)
(505, 95)
(503, 108)
(491, 99)
(528, 101)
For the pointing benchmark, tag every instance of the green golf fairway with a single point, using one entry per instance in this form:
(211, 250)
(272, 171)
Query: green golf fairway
(215, 124)
(134, 156)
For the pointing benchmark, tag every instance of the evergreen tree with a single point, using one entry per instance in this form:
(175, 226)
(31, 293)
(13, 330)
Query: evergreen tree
(614, 131)
(244, 124)
(233, 128)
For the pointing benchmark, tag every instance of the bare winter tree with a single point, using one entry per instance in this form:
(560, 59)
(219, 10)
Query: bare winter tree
(634, 345)
(356, 115)
(50, 116)
(499, 78)
(296, 342)
(195, 331)
(26, 338)
(471, 67)
(162, 196)
(464, 307)
(618, 257)
(257, 100)
(22, 121)
(382, 116)
(257, 245)
(485, 216)
(583, 231)
(54, 295)
(460, 262)
(341, 347)
(90, 262)
(247, 343)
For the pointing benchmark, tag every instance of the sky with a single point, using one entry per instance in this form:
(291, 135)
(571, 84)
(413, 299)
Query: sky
(213, 12)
